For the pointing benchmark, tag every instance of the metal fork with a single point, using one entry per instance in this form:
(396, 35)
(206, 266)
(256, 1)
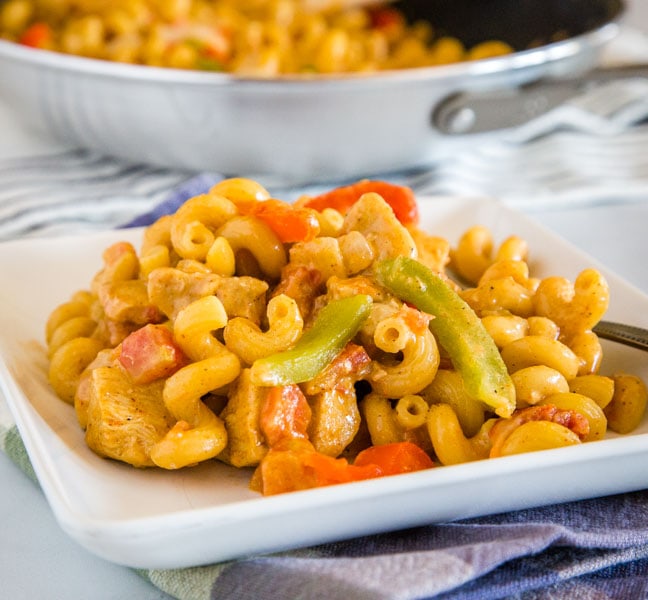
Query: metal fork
(629, 335)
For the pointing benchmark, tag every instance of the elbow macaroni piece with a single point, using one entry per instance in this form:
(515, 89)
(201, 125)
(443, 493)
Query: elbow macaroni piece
(386, 424)
(67, 364)
(245, 339)
(543, 326)
(413, 373)
(450, 444)
(65, 312)
(155, 257)
(535, 383)
(584, 406)
(587, 347)
(538, 350)
(573, 307)
(381, 420)
(505, 328)
(411, 412)
(253, 235)
(220, 258)
(500, 295)
(72, 328)
(240, 189)
(447, 388)
(628, 405)
(194, 224)
(538, 435)
(597, 387)
(472, 255)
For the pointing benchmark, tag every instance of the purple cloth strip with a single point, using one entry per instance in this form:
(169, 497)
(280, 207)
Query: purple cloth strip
(188, 189)
(590, 549)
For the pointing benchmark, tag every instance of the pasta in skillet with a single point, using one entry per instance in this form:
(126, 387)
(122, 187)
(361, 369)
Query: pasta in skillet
(324, 341)
(245, 37)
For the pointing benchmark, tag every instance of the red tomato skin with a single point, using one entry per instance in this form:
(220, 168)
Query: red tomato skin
(395, 458)
(151, 353)
(290, 223)
(36, 36)
(401, 199)
(285, 415)
(384, 18)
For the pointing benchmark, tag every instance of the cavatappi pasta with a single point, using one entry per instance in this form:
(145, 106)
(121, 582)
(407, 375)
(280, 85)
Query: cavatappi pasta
(261, 38)
(289, 338)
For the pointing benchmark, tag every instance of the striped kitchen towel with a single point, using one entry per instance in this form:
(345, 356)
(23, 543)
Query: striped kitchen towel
(77, 190)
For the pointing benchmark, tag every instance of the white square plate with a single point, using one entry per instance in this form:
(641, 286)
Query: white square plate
(158, 519)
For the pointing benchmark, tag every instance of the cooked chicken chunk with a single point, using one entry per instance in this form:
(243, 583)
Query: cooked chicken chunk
(375, 219)
(246, 443)
(125, 420)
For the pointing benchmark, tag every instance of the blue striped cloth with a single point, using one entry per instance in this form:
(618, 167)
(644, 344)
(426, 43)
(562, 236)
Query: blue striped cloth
(559, 159)
(591, 549)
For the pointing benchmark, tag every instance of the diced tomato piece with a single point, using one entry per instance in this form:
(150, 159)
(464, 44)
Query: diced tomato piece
(289, 222)
(395, 458)
(383, 18)
(285, 414)
(401, 198)
(218, 44)
(151, 353)
(37, 35)
(416, 320)
(281, 470)
(295, 465)
(327, 470)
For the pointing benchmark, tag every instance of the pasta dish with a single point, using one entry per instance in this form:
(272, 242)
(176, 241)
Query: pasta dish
(330, 340)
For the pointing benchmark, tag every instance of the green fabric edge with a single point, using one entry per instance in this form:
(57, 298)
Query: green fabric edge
(14, 448)
(191, 583)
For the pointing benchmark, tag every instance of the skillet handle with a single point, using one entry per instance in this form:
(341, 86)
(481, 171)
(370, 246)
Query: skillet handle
(480, 112)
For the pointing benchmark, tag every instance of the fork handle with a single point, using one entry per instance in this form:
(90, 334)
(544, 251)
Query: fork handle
(629, 335)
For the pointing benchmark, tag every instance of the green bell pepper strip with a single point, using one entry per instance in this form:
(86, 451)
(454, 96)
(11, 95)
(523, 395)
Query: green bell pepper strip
(335, 325)
(458, 329)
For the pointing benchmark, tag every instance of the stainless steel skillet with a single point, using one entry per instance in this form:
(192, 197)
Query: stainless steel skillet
(299, 129)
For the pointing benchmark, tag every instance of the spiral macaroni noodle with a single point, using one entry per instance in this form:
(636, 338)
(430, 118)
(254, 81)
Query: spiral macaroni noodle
(198, 434)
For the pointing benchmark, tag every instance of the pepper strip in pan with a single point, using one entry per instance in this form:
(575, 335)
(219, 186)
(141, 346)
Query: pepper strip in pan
(458, 329)
(335, 326)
